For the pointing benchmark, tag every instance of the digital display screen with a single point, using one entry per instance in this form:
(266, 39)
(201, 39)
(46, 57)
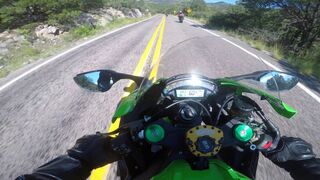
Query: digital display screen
(190, 93)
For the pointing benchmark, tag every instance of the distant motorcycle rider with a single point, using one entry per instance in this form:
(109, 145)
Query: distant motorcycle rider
(92, 151)
(181, 16)
(180, 13)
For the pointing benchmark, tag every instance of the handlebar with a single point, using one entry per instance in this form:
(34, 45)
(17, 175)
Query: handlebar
(179, 127)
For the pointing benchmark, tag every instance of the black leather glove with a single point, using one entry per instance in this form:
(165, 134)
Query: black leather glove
(296, 157)
(290, 149)
(94, 150)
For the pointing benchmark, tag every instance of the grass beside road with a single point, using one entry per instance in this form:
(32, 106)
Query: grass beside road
(274, 50)
(306, 65)
(29, 53)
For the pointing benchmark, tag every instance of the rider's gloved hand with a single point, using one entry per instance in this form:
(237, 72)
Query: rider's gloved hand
(290, 149)
(296, 157)
(94, 150)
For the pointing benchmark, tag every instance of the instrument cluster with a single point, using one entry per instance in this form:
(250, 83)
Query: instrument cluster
(189, 86)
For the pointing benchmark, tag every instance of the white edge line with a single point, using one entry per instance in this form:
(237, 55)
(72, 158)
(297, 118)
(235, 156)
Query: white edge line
(66, 52)
(300, 85)
(307, 90)
(243, 49)
(190, 22)
(211, 32)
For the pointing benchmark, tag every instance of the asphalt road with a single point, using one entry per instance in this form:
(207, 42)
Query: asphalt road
(45, 112)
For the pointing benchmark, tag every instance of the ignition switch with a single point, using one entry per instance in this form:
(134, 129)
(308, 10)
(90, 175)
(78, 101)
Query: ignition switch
(188, 113)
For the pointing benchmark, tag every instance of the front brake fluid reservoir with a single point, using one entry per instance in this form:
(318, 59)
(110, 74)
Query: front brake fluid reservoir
(241, 106)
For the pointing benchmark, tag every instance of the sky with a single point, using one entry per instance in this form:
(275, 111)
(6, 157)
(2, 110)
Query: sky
(227, 1)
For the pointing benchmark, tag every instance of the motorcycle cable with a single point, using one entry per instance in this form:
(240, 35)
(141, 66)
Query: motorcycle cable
(229, 99)
(123, 127)
(225, 102)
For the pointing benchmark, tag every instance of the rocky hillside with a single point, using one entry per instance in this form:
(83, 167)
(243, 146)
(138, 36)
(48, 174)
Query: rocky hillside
(46, 33)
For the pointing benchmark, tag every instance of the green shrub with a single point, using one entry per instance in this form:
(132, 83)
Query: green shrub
(233, 18)
(27, 29)
(309, 63)
(201, 14)
(82, 31)
(21, 12)
(65, 17)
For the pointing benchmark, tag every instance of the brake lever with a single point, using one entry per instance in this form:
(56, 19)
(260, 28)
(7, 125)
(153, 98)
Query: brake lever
(275, 132)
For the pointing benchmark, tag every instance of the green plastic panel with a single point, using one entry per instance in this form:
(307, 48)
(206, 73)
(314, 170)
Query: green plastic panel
(181, 170)
(279, 106)
(126, 105)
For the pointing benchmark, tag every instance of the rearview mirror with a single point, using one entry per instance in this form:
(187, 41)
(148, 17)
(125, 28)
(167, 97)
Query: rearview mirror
(278, 81)
(102, 80)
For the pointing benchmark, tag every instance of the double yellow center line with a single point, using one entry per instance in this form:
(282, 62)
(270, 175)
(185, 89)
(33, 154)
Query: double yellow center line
(101, 173)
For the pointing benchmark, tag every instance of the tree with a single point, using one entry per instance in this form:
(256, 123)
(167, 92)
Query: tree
(300, 23)
(235, 17)
(198, 5)
(15, 13)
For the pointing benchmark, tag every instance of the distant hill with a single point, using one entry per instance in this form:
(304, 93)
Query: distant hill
(164, 1)
(219, 4)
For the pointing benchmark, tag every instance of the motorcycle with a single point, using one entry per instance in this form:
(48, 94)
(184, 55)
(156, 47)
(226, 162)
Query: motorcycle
(188, 126)
(181, 17)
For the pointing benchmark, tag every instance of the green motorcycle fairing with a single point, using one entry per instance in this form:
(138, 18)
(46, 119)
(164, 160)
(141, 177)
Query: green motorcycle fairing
(279, 106)
(181, 170)
(128, 103)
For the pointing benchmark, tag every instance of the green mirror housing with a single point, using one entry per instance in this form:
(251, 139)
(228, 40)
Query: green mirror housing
(279, 106)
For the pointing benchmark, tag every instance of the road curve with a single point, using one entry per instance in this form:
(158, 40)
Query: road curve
(45, 112)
